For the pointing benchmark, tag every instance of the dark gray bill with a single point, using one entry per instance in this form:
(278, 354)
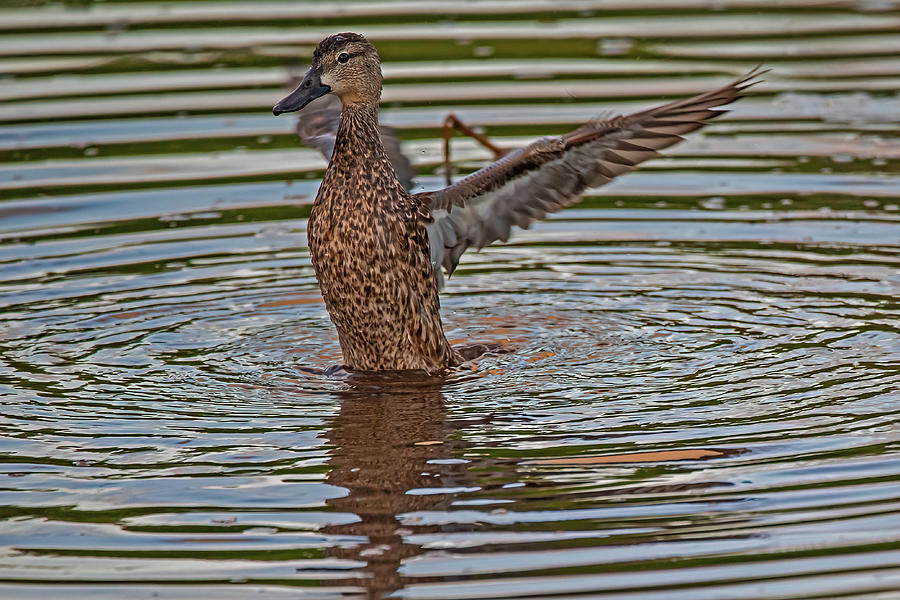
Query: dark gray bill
(309, 89)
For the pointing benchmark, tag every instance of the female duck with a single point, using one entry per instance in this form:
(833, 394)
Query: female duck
(377, 251)
(367, 235)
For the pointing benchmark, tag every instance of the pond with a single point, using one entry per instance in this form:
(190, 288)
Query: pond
(701, 401)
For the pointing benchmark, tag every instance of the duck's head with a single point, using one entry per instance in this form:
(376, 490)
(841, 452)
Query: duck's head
(344, 64)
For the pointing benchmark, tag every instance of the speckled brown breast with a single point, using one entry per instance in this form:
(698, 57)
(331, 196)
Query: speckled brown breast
(369, 248)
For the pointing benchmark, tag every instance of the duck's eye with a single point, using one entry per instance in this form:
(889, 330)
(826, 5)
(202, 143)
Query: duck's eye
(344, 57)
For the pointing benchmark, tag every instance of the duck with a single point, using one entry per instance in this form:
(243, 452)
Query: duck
(378, 251)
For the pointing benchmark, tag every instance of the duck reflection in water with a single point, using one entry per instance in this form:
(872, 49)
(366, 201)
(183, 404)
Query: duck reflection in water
(385, 440)
(391, 443)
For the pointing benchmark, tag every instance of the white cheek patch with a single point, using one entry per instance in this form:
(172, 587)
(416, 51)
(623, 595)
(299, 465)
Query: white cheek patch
(326, 80)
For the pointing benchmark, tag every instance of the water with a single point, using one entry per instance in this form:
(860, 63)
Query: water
(703, 398)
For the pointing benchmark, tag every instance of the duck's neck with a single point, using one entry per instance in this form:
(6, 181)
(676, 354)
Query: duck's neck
(358, 139)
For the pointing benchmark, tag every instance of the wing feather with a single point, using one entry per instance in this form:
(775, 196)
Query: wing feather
(551, 174)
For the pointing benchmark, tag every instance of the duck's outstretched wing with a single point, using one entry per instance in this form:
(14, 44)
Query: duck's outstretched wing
(317, 126)
(551, 173)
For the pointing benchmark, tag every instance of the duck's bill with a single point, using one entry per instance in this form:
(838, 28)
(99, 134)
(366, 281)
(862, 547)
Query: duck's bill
(309, 89)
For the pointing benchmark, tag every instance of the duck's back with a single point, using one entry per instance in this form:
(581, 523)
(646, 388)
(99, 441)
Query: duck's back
(369, 247)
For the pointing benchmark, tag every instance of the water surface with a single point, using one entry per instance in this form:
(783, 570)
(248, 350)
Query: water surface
(701, 401)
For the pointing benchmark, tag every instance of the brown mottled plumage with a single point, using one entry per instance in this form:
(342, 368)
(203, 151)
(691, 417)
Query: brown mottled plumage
(369, 247)
(318, 126)
(377, 250)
